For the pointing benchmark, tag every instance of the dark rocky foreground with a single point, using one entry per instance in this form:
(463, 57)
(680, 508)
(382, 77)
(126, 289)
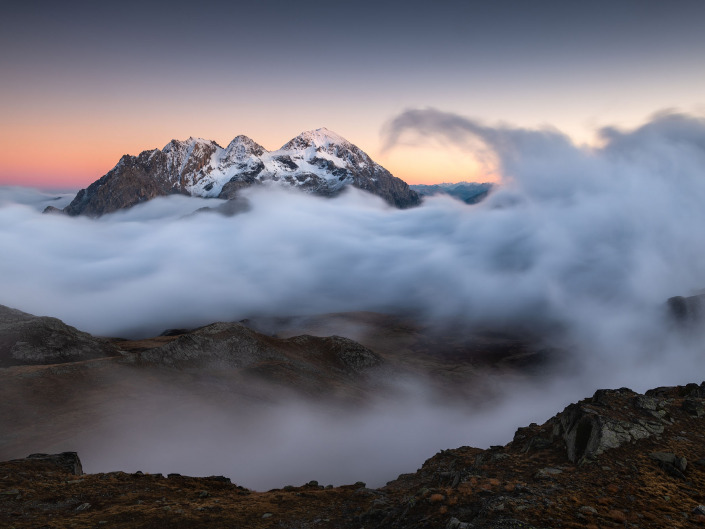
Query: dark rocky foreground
(618, 459)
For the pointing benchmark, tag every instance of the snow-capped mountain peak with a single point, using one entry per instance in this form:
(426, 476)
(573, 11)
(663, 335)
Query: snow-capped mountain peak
(319, 138)
(242, 146)
(317, 161)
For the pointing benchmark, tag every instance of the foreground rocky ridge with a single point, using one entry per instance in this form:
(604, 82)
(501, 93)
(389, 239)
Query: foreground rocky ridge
(318, 162)
(618, 459)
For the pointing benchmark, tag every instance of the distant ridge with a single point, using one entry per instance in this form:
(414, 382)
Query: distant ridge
(468, 192)
(318, 161)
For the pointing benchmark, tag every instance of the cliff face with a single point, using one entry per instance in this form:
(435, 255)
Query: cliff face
(318, 162)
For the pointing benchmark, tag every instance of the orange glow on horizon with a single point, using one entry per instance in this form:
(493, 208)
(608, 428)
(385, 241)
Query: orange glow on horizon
(431, 164)
(74, 158)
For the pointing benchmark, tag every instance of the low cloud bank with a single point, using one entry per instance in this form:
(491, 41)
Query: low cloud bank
(585, 244)
(267, 446)
(589, 240)
(34, 198)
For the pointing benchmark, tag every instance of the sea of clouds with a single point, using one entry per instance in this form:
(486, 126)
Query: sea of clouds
(582, 243)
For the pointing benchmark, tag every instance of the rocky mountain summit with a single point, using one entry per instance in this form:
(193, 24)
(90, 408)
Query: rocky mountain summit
(318, 162)
(617, 459)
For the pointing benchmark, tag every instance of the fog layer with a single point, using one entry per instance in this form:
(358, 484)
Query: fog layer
(573, 233)
(582, 244)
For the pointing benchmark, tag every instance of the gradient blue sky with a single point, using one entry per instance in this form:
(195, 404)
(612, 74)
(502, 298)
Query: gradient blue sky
(83, 82)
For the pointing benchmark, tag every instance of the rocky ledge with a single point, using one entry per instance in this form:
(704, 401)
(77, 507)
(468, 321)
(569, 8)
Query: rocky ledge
(618, 459)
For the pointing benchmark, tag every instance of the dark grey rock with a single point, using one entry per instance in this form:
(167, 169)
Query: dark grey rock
(681, 463)
(454, 523)
(547, 473)
(671, 463)
(65, 461)
(589, 428)
(694, 406)
(663, 457)
(51, 210)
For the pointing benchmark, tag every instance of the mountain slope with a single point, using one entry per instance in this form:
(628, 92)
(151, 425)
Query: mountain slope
(319, 162)
(33, 340)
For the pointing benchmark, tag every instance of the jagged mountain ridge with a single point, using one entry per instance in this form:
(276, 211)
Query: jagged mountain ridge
(319, 162)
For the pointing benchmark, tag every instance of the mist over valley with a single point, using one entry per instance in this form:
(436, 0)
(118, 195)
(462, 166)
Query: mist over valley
(479, 317)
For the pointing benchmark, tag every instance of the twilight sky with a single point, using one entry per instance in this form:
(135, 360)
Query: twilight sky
(82, 83)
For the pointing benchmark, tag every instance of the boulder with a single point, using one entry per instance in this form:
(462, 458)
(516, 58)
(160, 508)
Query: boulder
(592, 426)
(65, 461)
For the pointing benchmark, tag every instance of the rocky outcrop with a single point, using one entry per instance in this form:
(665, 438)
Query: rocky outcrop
(53, 210)
(236, 346)
(591, 427)
(31, 340)
(65, 461)
(140, 178)
(341, 352)
(318, 162)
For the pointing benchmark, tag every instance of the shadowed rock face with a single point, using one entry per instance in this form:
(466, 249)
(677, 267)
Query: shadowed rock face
(137, 179)
(318, 162)
(31, 340)
(591, 427)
